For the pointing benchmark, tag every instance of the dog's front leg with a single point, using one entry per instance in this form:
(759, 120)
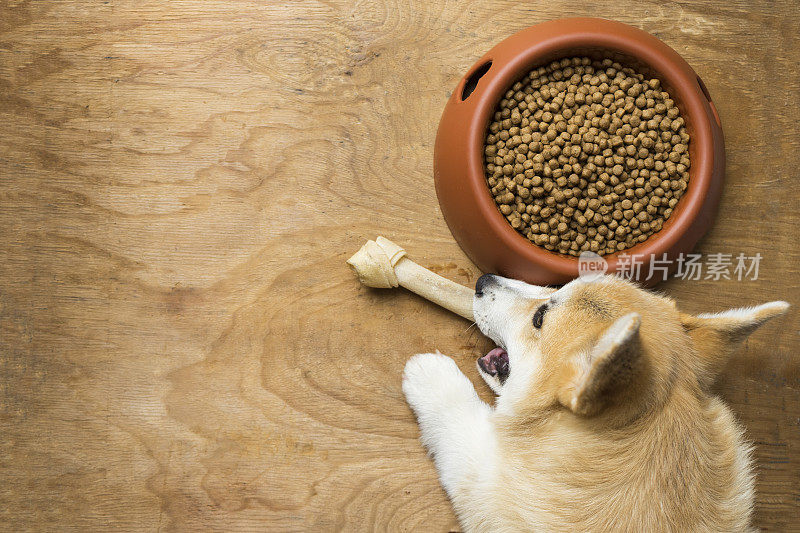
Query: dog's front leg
(455, 424)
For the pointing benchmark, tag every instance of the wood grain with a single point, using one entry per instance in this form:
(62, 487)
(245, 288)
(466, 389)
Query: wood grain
(182, 345)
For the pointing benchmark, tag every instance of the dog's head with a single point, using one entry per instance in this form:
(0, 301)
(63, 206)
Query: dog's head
(602, 345)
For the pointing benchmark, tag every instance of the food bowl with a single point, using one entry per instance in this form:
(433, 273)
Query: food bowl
(467, 204)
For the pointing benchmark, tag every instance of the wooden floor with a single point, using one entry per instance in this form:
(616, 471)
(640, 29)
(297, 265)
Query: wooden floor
(182, 346)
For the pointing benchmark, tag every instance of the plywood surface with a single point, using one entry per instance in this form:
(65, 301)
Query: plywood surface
(181, 344)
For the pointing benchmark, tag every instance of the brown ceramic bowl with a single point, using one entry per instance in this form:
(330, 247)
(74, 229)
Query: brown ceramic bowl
(467, 205)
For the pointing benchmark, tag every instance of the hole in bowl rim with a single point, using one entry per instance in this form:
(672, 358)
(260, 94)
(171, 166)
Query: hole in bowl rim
(472, 80)
(677, 78)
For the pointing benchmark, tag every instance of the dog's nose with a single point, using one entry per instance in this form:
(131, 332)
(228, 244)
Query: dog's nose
(482, 282)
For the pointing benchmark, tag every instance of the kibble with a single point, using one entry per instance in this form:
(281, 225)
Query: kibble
(587, 155)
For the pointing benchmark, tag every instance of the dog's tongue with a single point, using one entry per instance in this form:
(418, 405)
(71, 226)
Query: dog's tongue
(495, 361)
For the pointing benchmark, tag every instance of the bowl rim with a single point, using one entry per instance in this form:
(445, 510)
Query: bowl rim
(550, 40)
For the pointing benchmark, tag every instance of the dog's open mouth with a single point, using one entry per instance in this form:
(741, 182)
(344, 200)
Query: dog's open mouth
(495, 363)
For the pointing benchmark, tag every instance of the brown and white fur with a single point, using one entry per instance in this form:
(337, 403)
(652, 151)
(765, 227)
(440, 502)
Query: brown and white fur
(603, 421)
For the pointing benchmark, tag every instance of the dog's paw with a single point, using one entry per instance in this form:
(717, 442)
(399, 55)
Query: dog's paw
(432, 381)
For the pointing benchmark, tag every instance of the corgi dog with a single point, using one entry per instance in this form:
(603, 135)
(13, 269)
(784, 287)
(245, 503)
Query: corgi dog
(603, 419)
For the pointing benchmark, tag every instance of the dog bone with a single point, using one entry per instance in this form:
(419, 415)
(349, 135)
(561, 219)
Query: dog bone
(382, 264)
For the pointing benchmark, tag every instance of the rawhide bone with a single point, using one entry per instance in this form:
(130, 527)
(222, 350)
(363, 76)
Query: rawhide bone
(383, 265)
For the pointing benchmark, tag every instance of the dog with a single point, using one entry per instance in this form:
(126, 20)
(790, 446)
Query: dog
(603, 419)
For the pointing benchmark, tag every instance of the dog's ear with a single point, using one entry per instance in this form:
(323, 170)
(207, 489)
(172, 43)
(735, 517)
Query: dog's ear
(610, 364)
(716, 336)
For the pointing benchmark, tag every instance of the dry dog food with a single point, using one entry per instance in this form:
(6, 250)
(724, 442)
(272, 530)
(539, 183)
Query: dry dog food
(587, 155)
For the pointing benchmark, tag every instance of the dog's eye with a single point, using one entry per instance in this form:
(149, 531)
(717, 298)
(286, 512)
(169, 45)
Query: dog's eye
(538, 316)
